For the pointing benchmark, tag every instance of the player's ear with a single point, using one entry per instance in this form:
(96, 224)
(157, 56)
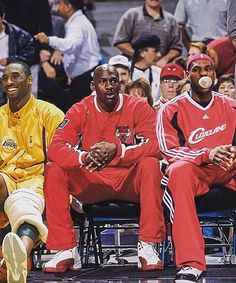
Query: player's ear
(187, 74)
(92, 86)
(30, 80)
(214, 75)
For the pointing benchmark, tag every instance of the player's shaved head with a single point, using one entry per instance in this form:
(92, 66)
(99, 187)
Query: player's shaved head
(102, 68)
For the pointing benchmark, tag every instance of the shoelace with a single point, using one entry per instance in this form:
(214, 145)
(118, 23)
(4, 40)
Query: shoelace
(187, 268)
(153, 246)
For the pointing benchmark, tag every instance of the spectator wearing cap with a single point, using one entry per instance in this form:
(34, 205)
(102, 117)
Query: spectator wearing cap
(149, 18)
(123, 67)
(146, 54)
(170, 75)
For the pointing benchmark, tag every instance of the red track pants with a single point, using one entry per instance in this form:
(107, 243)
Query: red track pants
(141, 183)
(186, 181)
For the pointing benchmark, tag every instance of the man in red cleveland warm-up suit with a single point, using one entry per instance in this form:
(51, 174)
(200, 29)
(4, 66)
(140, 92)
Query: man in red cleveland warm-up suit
(196, 133)
(105, 148)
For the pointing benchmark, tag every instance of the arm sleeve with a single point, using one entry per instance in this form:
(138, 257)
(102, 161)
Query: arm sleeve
(68, 44)
(53, 119)
(145, 132)
(180, 13)
(171, 141)
(123, 32)
(25, 47)
(64, 148)
(175, 37)
(231, 19)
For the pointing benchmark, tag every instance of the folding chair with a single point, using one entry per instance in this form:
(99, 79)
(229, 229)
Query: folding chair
(106, 215)
(216, 210)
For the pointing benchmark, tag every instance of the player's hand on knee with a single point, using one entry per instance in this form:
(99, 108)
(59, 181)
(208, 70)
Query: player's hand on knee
(233, 153)
(222, 156)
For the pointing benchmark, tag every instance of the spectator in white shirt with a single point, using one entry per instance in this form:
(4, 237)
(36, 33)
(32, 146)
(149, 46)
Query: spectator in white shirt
(79, 46)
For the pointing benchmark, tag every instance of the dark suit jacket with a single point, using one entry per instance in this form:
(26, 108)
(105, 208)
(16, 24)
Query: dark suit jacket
(31, 15)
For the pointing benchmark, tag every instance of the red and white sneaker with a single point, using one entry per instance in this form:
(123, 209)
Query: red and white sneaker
(64, 260)
(148, 257)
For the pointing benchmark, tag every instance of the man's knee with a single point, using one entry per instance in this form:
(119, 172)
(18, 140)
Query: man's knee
(146, 162)
(180, 169)
(54, 169)
(181, 176)
(150, 166)
(24, 205)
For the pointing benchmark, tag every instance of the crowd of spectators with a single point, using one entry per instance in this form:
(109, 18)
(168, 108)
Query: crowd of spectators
(50, 50)
(65, 53)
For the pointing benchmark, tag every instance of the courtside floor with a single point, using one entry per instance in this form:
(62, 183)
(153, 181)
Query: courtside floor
(130, 273)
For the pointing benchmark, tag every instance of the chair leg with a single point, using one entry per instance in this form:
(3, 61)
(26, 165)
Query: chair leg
(94, 244)
(88, 241)
(82, 233)
(234, 235)
(167, 252)
(99, 242)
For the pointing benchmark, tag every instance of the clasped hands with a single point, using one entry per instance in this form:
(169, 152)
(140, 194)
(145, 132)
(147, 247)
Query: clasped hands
(223, 156)
(100, 155)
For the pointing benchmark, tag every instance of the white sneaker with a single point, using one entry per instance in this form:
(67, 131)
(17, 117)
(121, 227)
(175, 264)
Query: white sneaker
(64, 260)
(188, 274)
(148, 257)
(15, 256)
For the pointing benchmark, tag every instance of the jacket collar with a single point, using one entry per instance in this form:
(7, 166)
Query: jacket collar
(146, 13)
(118, 106)
(23, 111)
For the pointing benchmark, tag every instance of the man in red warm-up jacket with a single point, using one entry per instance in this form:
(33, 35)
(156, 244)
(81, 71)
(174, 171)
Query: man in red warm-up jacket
(104, 149)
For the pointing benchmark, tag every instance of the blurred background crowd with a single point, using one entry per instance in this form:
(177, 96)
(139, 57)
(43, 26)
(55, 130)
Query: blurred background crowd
(148, 41)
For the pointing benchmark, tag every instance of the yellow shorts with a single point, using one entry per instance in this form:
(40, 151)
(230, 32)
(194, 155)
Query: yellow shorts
(35, 184)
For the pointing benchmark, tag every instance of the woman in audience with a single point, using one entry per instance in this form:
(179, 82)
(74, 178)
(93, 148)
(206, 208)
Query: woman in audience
(226, 86)
(182, 86)
(141, 88)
